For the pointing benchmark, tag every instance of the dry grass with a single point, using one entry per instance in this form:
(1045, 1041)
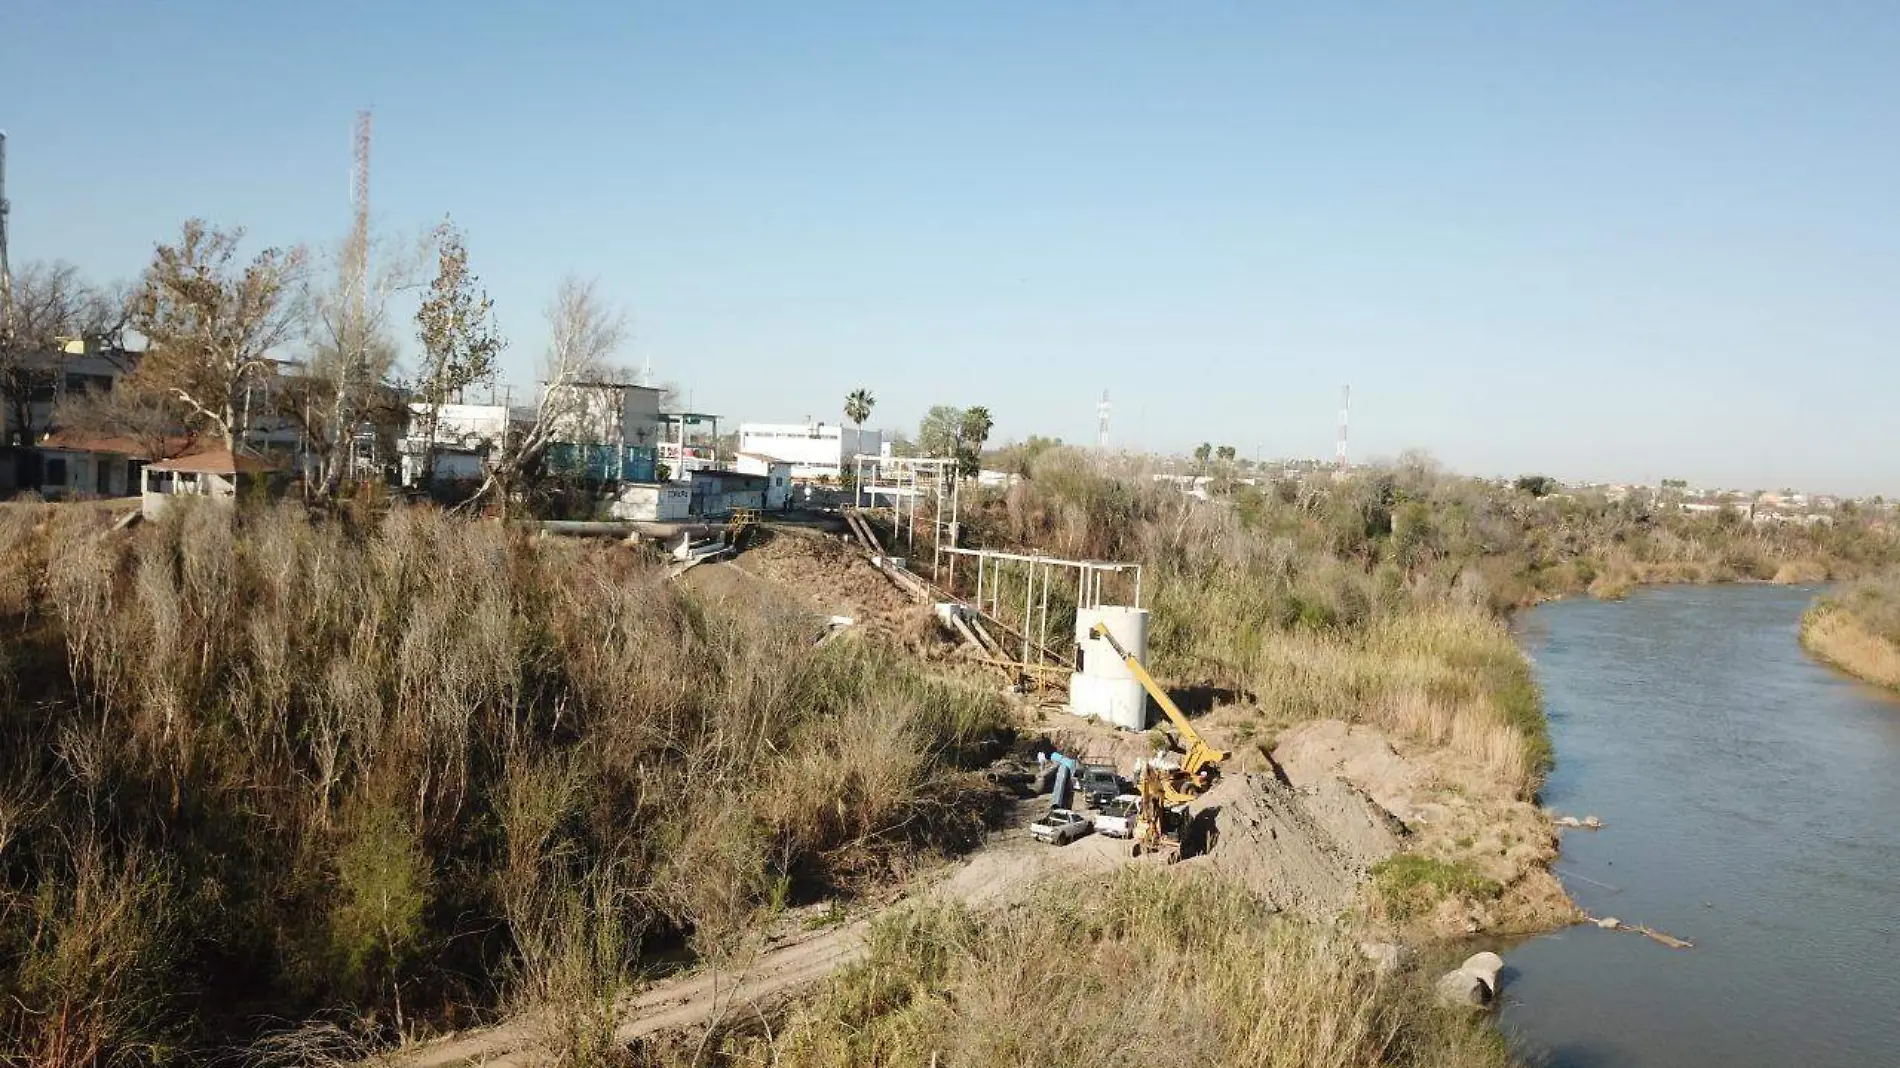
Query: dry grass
(1838, 636)
(1149, 969)
(1450, 678)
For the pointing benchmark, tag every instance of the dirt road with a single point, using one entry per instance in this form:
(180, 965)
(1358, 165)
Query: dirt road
(1266, 829)
(673, 1005)
(1009, 867)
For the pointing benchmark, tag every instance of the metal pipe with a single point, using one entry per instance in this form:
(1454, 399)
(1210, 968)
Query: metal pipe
(1042, 629)
(1029, 592)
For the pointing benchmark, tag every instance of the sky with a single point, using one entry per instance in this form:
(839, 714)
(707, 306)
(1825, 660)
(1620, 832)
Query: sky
(1600, 240)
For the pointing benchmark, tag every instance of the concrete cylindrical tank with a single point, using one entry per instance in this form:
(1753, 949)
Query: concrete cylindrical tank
(1105, 688)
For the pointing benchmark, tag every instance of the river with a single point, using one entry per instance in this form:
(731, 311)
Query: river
(1751, 801)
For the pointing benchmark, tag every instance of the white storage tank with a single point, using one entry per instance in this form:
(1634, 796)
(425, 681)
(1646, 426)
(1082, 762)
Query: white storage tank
(1105, 688)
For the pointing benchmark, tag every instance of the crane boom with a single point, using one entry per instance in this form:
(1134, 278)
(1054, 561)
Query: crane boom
(1200, 756)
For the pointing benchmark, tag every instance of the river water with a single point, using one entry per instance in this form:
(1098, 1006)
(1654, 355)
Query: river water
(1751, 800)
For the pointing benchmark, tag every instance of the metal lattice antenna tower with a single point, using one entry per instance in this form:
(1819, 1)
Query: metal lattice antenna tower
(359, 222)
(6, 275)
(1345, 406)
(1101, 423)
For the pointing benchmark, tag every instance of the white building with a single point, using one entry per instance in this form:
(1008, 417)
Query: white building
(778, 477)
(463, 435)
(608, 413)
(814, 450)
(214, 473)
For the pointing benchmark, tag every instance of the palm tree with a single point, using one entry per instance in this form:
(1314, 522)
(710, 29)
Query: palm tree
(857, 406)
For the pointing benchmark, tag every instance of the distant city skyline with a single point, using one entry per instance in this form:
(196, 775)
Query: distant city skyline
(1615, 241)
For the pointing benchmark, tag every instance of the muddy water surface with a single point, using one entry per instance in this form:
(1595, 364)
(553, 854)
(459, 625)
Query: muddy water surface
(1752, 804)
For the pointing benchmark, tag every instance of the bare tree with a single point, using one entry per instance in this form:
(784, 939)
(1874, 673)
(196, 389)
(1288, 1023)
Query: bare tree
(460, 342)
(346, 385)
(147, 420)
(52, 303)
(211, 324)
(584, 331)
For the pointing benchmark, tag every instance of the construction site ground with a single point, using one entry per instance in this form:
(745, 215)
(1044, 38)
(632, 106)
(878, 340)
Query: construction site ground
(1300, 818)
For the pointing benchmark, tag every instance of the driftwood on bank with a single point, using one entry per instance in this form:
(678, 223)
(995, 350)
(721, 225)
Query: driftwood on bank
(1611, 923)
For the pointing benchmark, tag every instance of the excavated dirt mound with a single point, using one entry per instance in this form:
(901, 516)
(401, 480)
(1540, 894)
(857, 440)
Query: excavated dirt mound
(837, 579)
(1305, 853)
(1316, 752)
(1363, 830)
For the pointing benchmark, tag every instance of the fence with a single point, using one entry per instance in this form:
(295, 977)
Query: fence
(603, 463)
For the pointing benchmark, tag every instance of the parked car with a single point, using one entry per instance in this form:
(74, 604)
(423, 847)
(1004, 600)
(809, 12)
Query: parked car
(1117, 818)
(1061, 826)
(1101, 784)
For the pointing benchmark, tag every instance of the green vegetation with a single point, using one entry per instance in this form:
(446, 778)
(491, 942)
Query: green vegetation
(956, 433)
(263, 767)
(1380, 597)
(1408, 885)
(1151, 969)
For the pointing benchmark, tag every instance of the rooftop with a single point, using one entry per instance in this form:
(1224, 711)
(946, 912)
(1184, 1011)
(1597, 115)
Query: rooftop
(217, 462)
(79, 441)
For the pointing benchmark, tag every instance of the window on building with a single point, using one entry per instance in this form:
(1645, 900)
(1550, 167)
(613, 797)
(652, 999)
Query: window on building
(55, 474)
(84, 383)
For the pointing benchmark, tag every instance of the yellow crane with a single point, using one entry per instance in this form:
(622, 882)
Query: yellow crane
(1166, 792)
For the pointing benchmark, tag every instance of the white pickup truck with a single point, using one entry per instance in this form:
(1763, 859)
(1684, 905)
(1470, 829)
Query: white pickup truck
(1061, 826)
(1117, 818)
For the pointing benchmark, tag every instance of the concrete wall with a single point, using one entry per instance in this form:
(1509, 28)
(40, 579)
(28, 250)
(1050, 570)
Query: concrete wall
(718, 492)
(163, 487)
(653, 502)
(468, 423)
(84, 474)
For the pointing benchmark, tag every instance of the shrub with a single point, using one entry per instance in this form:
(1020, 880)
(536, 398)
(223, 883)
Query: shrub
(380, 754)
(1408, 884)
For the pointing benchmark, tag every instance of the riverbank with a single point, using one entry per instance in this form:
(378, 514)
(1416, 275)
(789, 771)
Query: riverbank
(1839, 637)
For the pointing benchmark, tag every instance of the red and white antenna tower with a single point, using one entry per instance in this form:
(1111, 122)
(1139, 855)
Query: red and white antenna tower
(1345, 406)
(6, 277)
(359, 222)
(1101, 423)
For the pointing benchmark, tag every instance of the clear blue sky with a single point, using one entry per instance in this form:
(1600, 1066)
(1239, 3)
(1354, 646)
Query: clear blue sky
(1596, 239)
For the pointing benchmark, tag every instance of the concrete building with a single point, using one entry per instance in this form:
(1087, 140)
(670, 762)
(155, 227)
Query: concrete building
(607, 413)
(653, 502)
(722, 492)
(73, 465)
(778, 477)
(45, 379)
(815, 450)
(704, 495)
(215, 473)
(689, 441)
(463, 435)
